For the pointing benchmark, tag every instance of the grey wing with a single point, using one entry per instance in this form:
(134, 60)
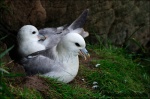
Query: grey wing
(80, 21)
(39, 64)
(47, 53)
(52, 35)
(51, 31)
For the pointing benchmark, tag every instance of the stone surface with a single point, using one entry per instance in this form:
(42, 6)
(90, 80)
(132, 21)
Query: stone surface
(21, 12)
(121, 22)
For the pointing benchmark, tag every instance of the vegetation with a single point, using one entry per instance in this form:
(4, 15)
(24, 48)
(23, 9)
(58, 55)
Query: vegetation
(111, 72)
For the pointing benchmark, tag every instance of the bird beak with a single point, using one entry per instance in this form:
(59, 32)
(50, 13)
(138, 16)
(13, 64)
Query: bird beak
(84, 53)
(41, 37)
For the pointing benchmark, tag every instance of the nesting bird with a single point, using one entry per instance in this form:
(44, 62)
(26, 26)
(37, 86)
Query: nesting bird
(56, 54)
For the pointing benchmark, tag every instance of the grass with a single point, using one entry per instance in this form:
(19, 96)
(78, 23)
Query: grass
(117, 76)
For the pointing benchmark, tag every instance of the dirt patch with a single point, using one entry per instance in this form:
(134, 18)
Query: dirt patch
(89, 62)
(32, 82)
(81, 82)
(36, 82)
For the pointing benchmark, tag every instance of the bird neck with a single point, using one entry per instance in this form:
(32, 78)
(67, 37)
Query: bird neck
(27, 48)
(65, 54)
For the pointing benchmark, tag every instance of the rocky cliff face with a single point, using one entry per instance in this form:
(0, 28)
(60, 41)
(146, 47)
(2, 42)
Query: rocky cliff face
(121, 22)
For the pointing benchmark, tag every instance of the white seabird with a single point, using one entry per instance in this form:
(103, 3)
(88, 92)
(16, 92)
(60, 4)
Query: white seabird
(29, 40)
(61, 62)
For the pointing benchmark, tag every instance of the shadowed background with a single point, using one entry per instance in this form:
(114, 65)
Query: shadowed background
(121, 22)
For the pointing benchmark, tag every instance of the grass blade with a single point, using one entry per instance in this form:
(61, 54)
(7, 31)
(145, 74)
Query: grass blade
(3, 37)
(3, 70)
(5, 52)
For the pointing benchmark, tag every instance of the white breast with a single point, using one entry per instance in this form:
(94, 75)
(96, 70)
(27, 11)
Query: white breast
(68, 73)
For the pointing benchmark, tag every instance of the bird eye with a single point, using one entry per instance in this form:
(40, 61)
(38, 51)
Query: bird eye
(77, 44)
(33, 32)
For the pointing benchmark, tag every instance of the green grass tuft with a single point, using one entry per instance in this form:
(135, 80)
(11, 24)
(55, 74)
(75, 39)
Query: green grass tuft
(118, 75)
